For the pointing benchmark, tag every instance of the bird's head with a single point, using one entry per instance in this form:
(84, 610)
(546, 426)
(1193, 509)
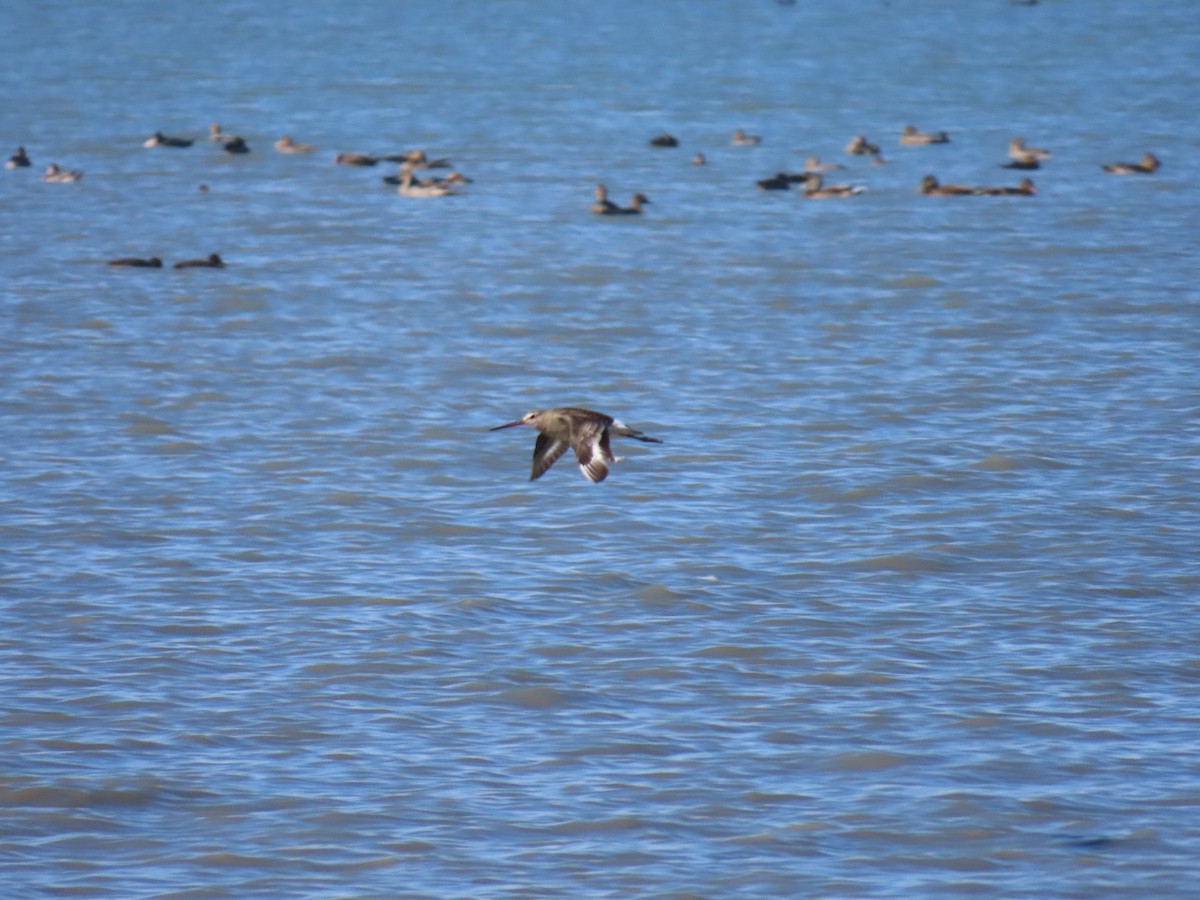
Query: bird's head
(529, 418)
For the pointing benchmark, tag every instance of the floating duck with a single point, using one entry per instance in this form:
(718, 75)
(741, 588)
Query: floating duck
(602, 206)
(909, 136)
(454, 178)
(635, 205)
(56, 175)
(783, 181)
(1024, 188)
(814, 164)
(137, 262)
(286, 145)
(212, 261)
(410, 187)
(1148, 163)
(816, 189)
(18, 160)
(161, 140)
(1017, 149)
(355, 159)
(931, 187)
(860, 146)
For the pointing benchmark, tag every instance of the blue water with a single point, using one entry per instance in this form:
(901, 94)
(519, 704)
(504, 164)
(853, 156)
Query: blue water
(904, 606)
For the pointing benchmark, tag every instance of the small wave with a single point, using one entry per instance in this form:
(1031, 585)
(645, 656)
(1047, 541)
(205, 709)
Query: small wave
(901, 562)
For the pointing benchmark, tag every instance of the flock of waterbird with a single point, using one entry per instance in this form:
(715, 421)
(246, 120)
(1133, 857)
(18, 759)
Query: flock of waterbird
(810, 178)
(586, 432)
(814, 187)
(406, 180)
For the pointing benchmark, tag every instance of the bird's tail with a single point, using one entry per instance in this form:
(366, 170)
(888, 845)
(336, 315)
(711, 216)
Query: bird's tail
(620, 429)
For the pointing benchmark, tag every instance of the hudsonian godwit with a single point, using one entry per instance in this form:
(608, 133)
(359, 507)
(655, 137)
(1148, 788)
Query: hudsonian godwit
(584, 431)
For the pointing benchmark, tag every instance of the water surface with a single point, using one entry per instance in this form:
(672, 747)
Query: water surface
(904, 606)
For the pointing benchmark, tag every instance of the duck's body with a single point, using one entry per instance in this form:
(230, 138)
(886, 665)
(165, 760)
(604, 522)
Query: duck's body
(212, 261)
(416, 159)
(635, 205)
(777, 182)
(602, 206)
(783, 181)
(664, 140)
(56, 175)
(910, 137)
(286, 145)
(450, 180)
(355, 159)
(230, 143)
(1148, 163)
(136, 262)
(410, 187)
(161, 140)
(814, 164)
(1024, 188)
(816, 189)
(19, 160)
(860, 146)
(1018, 149)
(586, 432)
(698, 159)
(739, 138)
(1025, 163)
(931, 187)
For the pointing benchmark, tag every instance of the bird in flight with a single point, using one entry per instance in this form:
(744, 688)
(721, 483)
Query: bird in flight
(583, 430)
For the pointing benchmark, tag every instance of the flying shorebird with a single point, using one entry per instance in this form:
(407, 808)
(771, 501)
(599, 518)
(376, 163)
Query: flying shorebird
(584, 431)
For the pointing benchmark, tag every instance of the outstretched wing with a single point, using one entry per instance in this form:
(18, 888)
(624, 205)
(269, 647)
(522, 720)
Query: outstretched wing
(594, 456)
(545, 454)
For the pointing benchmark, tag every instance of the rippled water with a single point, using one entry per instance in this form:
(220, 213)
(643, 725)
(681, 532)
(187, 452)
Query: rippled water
(904, 606)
